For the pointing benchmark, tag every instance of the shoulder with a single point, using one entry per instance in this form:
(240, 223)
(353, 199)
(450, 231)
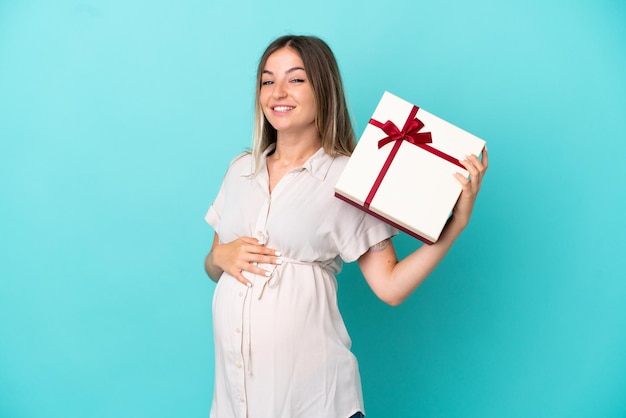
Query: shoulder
(342, 160)
(241, 164)
(337, 165)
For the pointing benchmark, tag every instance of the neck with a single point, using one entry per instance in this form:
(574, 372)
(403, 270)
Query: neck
(295, 149)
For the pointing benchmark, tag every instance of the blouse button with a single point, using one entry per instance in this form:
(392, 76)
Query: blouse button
(242, 399)
(239, 365)
(237, 330)
(261, 236)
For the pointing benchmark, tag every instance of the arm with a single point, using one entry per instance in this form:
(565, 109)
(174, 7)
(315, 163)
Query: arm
(213, 271)
(392, 280)
(238, 256)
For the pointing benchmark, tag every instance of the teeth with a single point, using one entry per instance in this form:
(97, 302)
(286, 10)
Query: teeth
(282, 108)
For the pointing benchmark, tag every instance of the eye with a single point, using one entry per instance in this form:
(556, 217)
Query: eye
(297, 80)
(267, 82)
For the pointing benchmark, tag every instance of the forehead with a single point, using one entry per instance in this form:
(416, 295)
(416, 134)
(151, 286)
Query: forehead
(285, 58)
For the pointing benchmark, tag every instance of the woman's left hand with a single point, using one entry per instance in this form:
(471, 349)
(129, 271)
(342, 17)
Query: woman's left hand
(477, 169)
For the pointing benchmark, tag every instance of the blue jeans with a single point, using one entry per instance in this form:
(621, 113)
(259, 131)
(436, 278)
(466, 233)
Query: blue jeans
(357, 415)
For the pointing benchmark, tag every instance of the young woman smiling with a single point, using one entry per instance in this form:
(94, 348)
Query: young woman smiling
(281, 346)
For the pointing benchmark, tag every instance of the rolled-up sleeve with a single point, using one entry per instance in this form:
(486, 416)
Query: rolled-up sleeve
(358, 232)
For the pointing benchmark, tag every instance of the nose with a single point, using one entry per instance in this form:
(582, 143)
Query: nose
(279, 90)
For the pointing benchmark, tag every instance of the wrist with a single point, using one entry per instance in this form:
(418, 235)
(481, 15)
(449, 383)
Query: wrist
(453, 228)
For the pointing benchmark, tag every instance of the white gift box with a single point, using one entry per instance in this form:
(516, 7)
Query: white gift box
(407, 182)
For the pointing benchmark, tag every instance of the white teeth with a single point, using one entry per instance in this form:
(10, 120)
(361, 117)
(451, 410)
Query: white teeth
(282, 108)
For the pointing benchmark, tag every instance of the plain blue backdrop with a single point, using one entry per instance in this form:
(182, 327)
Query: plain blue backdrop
(118, 120)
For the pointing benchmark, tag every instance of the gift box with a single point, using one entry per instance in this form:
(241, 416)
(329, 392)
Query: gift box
(402, 168)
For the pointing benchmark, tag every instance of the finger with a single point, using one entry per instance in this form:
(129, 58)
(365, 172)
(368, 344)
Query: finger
(465, 183)
(272, 256)
(251, 269)
(252, 266)
(485, 159)
(259, 258)
(263, 250)
(253, 254)
(250, 240)
(240, 278)
(474, 173)
(258, 271)
(477, 169)
(474, 161)
(480, 164)
(272, 252)
(260, 254)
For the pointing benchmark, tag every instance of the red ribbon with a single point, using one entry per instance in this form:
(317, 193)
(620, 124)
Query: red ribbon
(410, 133)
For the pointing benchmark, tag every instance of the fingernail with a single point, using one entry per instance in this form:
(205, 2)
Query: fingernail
(278, 254)
(268, 274)
(279, 261)
(249, 284)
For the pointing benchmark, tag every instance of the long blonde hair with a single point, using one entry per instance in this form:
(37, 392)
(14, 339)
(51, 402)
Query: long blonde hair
(332, 116)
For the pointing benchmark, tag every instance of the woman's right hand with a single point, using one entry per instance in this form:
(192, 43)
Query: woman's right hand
(239, 255)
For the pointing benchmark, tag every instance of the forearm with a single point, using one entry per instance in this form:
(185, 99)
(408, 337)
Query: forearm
(211, 269)
(214, 272)
(410, 273)
(393, 281)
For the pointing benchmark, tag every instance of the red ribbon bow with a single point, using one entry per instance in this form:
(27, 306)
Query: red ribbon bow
(410, 131)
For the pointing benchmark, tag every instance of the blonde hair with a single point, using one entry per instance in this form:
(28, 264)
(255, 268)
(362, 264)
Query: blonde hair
(332, 116)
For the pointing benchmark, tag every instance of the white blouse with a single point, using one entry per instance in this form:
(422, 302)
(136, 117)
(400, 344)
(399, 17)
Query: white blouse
(281, 347)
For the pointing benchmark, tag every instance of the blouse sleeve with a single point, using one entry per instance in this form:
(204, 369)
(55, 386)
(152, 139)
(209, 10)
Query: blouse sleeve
(359, 232)
(214, 214)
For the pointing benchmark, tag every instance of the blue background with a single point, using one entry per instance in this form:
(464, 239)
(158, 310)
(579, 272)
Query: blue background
(118, 120)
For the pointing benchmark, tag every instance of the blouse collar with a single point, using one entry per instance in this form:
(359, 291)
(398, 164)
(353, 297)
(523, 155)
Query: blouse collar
(318, 164)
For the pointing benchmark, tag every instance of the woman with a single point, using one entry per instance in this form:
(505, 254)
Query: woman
(281, 347)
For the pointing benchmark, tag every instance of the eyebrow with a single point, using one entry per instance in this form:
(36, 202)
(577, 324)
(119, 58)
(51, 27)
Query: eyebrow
(291, 70)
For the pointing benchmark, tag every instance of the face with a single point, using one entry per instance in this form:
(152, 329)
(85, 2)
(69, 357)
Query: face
(286, 94)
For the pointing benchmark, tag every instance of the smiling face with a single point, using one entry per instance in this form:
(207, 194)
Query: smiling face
(286, 95)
